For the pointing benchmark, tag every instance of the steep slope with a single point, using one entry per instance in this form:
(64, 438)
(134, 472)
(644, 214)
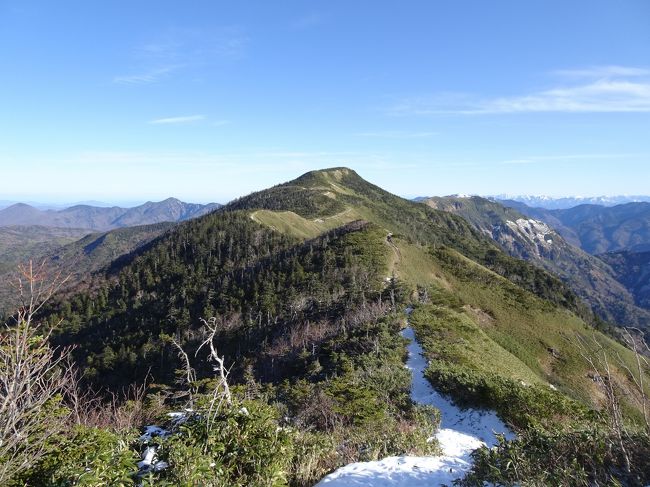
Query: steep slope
(260, 282)
(102, 218)
(19, 243)
(62, 251)
(609, 229)
(633, 270)
(265, 284)
(598, 229)
(323, 199)
(97, 250)
(534, 241)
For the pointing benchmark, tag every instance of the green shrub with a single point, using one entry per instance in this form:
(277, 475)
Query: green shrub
(243, 446)
(522, 405)
(585, 457)
(86, 456)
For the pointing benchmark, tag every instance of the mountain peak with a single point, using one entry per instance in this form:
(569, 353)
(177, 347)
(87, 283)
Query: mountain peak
(325, 176)
(20, 206)
(171, 199)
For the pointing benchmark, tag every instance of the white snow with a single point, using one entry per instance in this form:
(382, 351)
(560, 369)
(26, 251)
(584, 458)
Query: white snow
(151, 431)
(149, 461)
(462, 431)
(533, 230)
(147, 457)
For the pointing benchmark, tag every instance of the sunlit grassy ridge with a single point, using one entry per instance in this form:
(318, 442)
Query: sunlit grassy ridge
(481, 320)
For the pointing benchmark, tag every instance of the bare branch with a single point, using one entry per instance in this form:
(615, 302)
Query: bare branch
(221, 392)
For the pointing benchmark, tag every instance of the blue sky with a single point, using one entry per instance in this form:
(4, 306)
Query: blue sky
(207, 100)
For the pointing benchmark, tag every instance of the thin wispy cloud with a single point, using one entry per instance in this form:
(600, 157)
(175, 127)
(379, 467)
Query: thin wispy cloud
(609, 89)
(182, 49)
(606, 96)
(309, 20)
(601, 72)
(573, 157)
(396, 134)
(145, 77)
(185, 119)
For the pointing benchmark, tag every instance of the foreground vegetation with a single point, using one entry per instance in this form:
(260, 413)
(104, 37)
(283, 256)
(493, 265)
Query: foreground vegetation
(345, 402)
(561, 439)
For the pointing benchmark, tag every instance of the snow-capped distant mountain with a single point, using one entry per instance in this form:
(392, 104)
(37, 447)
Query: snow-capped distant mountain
(551, 203)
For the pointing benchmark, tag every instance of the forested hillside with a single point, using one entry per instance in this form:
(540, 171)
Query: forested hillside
(76, 258)
(633, 270)
(18, 243)
(533, 240)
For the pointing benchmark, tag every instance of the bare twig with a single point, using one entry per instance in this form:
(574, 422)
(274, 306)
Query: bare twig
(190, 373)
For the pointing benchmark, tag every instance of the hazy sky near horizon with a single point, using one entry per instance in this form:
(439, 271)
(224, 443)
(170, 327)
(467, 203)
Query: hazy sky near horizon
(208, 100)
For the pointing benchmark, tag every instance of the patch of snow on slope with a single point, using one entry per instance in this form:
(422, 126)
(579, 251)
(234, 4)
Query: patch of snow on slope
(533, 230)
(462, 431)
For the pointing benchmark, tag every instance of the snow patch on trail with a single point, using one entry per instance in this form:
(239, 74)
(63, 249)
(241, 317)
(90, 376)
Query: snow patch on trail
(479, 424)
(150, 460)
(462, 431)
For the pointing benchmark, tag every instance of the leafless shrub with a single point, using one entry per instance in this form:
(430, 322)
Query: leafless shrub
(641, 352)
(596, 356)
(33, 377)
(318, 411)
(221, 393)
(189, 374)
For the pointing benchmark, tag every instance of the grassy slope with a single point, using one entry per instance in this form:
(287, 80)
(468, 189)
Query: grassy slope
(293, 224)
(485, 322)
(495, 326)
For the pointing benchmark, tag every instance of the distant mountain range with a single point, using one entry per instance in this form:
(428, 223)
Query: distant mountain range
(597, 229)
(551, 203)
(98, 218)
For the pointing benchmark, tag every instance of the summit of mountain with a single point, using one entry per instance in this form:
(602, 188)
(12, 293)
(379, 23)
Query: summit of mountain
(20, 214)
